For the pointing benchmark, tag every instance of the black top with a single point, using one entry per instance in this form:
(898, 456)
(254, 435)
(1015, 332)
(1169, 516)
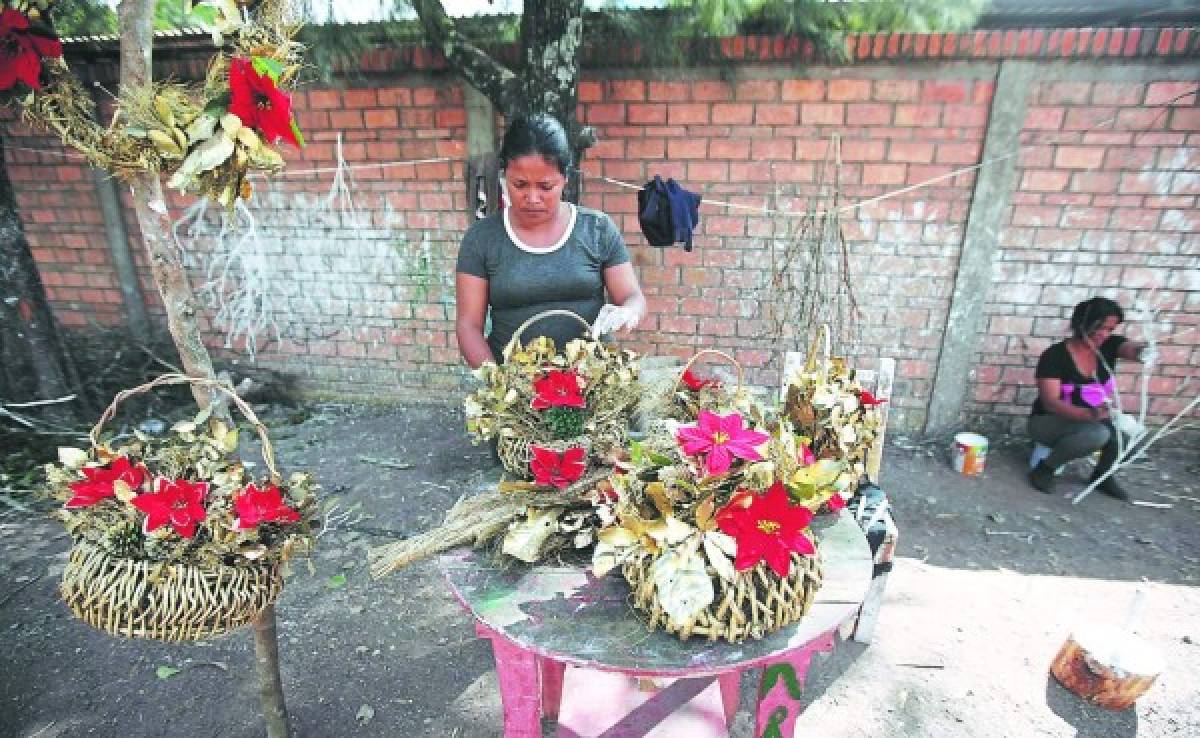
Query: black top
(523, 282)
(1056, 363)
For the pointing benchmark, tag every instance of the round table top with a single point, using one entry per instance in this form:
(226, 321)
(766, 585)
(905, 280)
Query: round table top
(560, 610)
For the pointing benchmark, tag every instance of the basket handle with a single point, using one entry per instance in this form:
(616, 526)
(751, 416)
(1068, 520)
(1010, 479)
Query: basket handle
(741, 374)
(516, 336)
(167, 380)
(820, 347)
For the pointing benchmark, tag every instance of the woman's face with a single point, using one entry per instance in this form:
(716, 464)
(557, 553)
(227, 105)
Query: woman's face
(1101, 334)
(535, 188)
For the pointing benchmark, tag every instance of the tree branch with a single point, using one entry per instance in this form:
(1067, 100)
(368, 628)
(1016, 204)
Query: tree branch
(475, 65)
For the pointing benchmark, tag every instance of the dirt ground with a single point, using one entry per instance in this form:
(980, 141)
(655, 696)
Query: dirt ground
(990, 577)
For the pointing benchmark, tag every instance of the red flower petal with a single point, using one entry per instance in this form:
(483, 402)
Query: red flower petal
(868, 399)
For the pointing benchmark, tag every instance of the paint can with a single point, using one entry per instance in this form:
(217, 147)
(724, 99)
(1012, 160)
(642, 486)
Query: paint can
(970, 453)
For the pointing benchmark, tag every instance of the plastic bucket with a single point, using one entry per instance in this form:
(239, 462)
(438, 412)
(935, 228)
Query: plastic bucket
(970, 453)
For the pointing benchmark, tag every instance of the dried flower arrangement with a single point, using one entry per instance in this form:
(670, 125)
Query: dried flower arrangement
(173, 537)
(206, 139)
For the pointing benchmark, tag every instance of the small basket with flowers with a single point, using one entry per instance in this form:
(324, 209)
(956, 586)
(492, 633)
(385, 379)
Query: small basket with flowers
(173, 538)
(553, 412)
(831, 411)
(711, 521)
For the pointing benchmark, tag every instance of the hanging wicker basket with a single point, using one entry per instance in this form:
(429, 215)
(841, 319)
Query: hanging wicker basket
(169, 601)
(756, 603)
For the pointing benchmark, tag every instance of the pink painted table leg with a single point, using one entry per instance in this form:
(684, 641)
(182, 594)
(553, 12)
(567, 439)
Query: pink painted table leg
(731, 685)
(520, 688)
(552, 686)
(779, 695)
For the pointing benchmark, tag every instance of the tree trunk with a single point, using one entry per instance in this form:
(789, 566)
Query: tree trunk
(37, 365)
(137, 36)
(548, 82)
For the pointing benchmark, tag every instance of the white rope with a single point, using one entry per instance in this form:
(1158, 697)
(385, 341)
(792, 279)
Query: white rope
(845, 208)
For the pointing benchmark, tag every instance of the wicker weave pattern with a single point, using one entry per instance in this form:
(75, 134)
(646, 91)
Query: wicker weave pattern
(164, 601)
(755, 603)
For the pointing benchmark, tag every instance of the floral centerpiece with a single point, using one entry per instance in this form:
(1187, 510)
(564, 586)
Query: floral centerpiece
(833, 414)
(552, 412)
(711, 521)
(206, 138)
(173, 537)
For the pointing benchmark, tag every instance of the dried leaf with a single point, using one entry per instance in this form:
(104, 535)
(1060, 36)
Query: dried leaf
(72, 458)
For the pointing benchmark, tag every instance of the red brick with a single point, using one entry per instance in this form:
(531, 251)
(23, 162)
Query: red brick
(967, 116)
(1045, 118)
(688, 113)
(711, 91)
(651, 113)
(1140, 119)
(1078, 157)
(324, 99)
(626, 90)
(381, 118)
(732, 113)
(947, 153)
(646, 148)
(1185, 119)
(754, 171)
(761, 90)
(860, 150)
(601, 113)
(424, 96)
(896, 90)
(918, 115)
(1045, 180)
(812, 150)
(686, 148)
(708, 171)
(591, 91)
(910, 151)
(729, 149)
(808, 90)
(360, 98)
(1147, 183)
(776, 114)
(394, 96)
(946, 92)
(823, 113)
(869, 114)
(849, 90)
(1101, 182)
(672, 92)
(883, 174)
(772, 148)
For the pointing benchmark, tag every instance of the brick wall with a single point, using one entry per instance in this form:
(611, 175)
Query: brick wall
(1105, 205)
(356, 284)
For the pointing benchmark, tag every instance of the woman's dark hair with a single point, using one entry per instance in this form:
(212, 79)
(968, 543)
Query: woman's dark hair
(1091, 314)
(538, 134)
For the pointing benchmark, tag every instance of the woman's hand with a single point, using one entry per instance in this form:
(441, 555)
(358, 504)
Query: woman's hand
(613, 318)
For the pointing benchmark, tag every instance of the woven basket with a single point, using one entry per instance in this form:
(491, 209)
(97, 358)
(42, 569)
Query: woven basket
(168, 601)
(664, 410)
(757, 602)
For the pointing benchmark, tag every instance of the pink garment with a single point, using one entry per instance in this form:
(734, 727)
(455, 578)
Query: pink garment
(1093, 393)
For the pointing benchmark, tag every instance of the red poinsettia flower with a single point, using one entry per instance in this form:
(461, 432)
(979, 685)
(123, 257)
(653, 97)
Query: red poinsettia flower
(766, 528)
(869, 400)
(558, 388)
(255, 506)
(695, 384)
(805, 455)
(175, 502)
(99, 480)
(22, 51)
(835, 502)
(720, 438)
(551, 468)
(256, 100)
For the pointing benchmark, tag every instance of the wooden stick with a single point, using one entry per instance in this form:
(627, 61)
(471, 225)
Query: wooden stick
(266, 657)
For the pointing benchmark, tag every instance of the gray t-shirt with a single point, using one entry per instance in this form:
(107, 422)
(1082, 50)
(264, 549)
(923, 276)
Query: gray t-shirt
(523, 283)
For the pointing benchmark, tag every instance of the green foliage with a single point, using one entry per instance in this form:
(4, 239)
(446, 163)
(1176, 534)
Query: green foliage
(821, 17)
(565, 422)
(96, 18)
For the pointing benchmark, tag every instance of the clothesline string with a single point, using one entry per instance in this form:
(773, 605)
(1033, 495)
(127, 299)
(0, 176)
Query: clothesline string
(844, 208)
(717, 203)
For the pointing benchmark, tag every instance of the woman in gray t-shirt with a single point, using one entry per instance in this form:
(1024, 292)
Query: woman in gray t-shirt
(540, 253)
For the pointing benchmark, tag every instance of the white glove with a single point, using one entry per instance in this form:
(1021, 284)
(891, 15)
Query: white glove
(1148, 356)
(1127, 424)
(613, 318)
